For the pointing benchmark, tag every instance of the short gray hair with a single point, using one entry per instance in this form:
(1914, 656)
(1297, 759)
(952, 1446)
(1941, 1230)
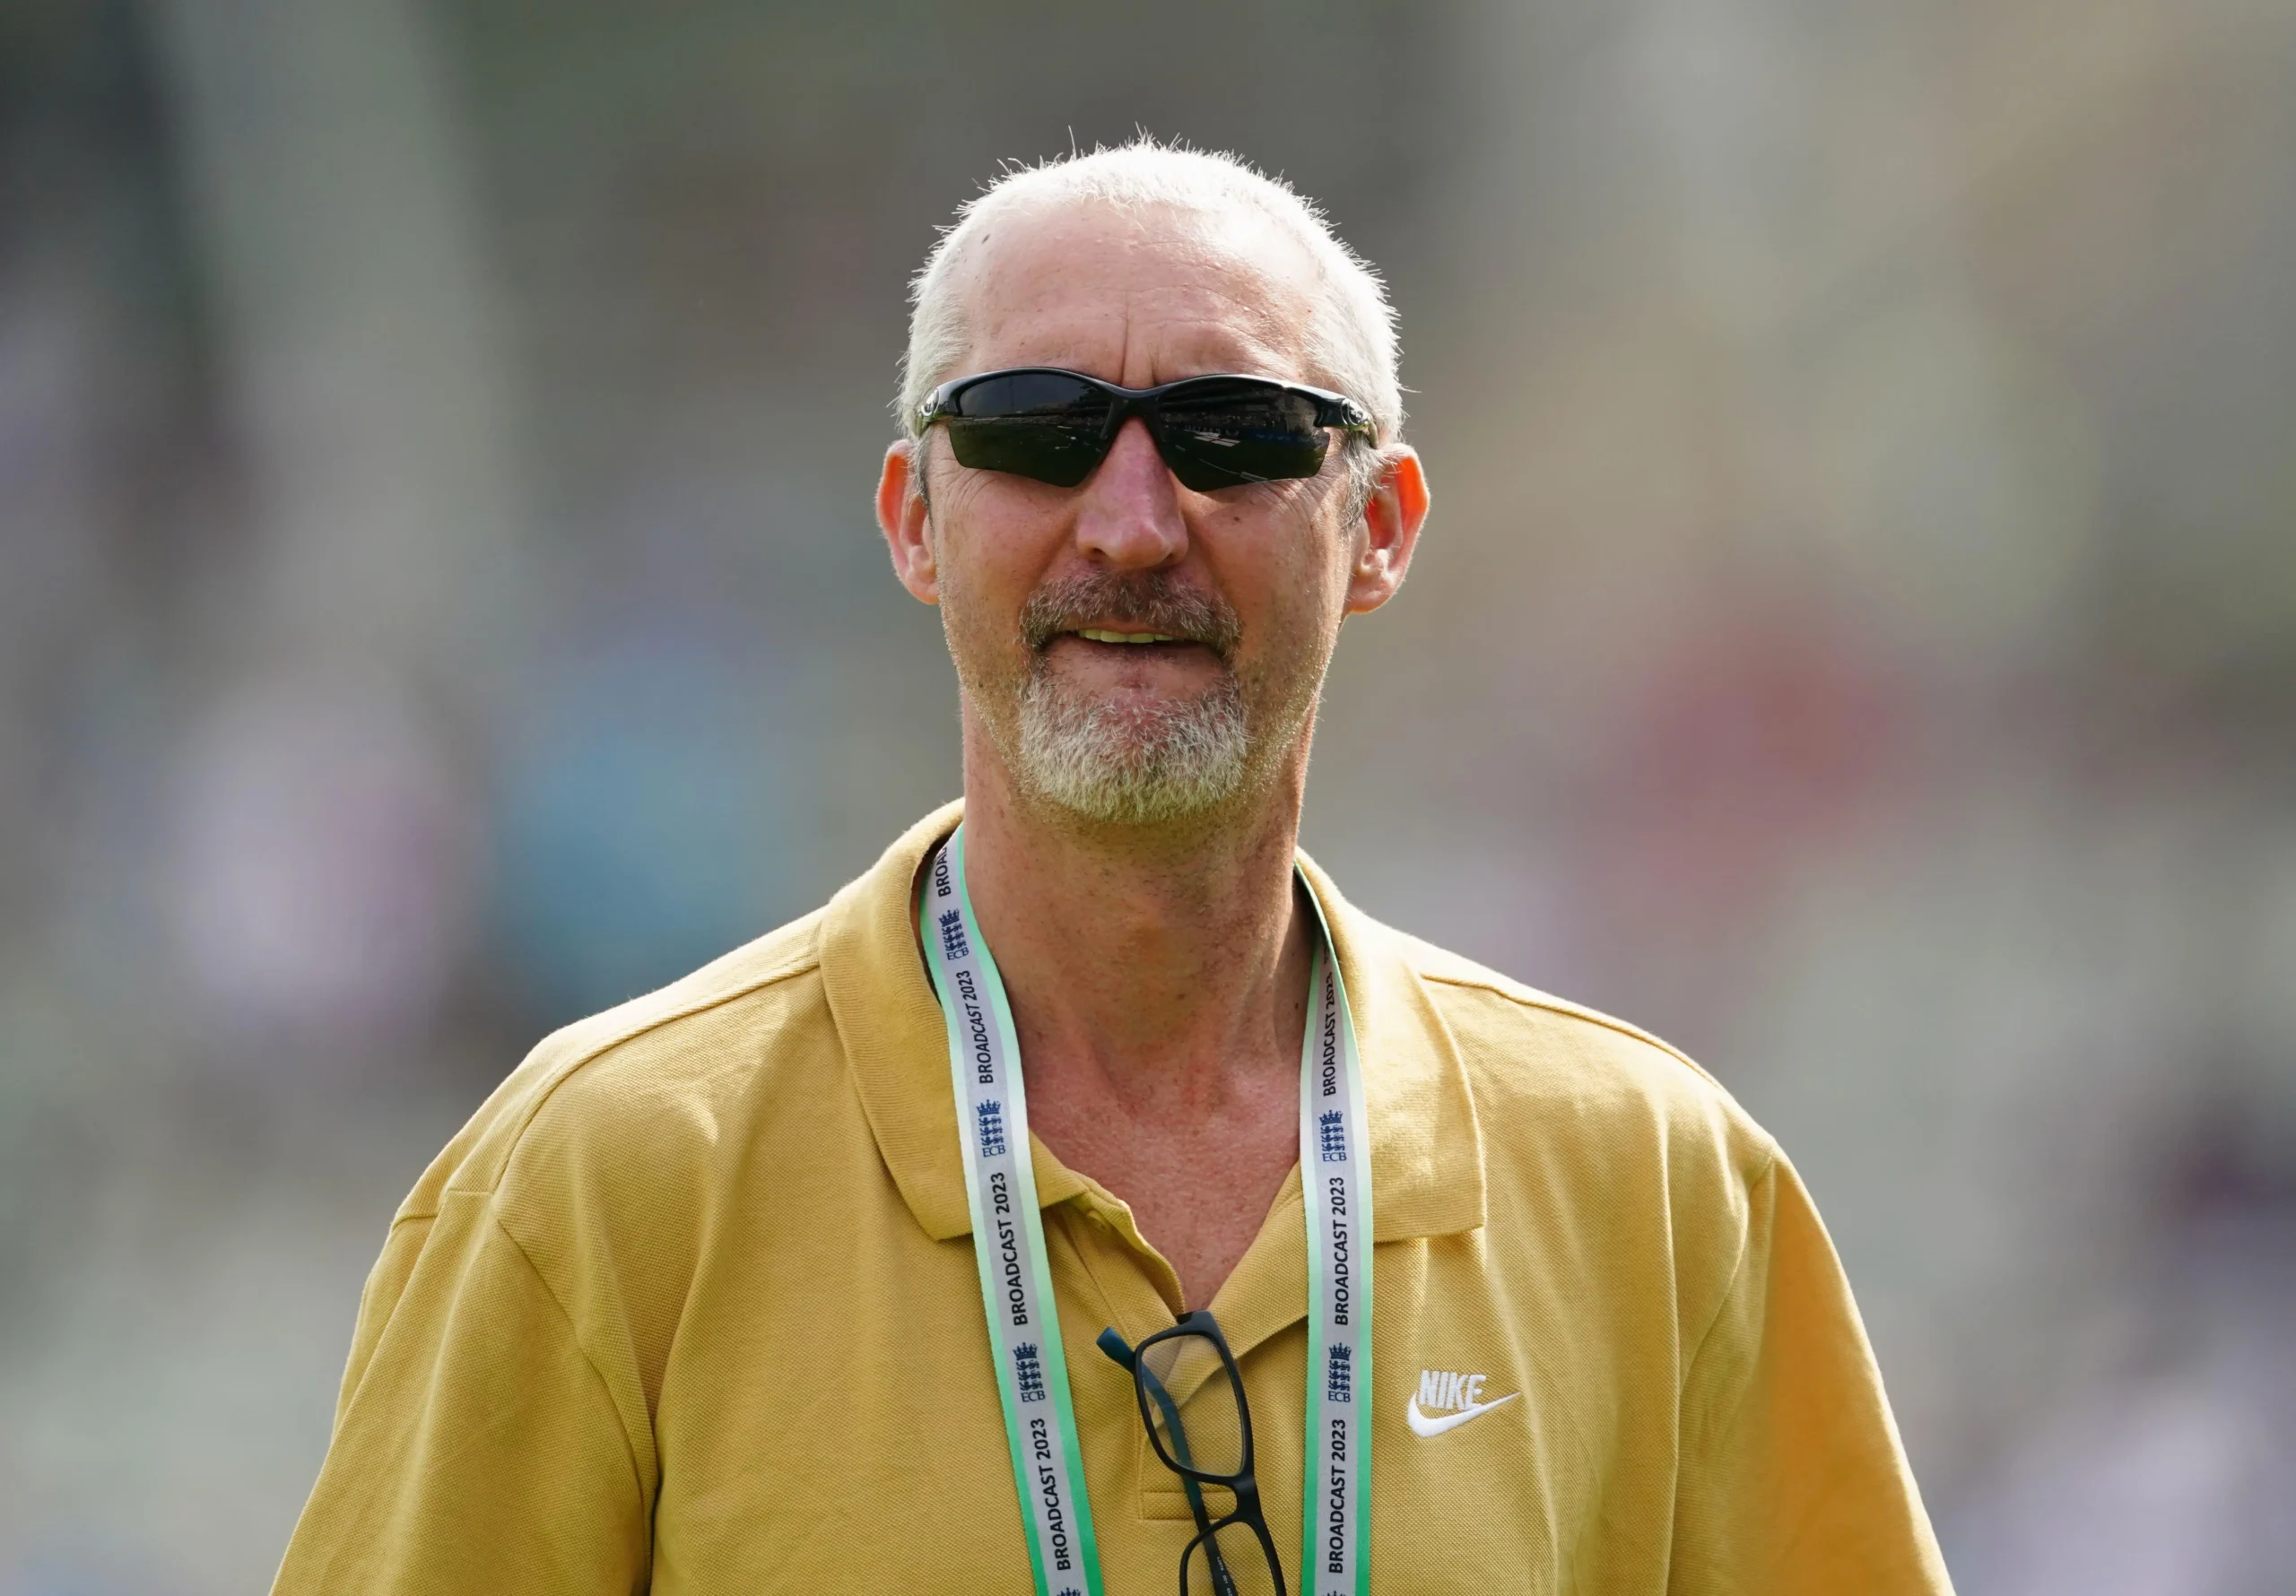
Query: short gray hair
(1351, 342)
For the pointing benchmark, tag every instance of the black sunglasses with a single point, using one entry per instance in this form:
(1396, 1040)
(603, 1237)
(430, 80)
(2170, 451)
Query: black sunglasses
(1057, 426)
(1192, 1400)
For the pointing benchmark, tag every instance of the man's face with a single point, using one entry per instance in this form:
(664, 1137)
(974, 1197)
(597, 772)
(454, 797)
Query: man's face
(1249, 583)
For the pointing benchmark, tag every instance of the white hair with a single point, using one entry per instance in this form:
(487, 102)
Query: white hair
(1351, 339)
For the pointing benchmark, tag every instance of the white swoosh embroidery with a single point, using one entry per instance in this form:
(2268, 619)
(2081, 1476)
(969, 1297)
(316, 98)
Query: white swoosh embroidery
(1421, 1424)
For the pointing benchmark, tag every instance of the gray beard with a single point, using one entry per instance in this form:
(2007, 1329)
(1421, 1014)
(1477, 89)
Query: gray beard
(1132, 766)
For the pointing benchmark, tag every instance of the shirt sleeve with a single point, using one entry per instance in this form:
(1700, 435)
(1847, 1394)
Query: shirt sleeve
(476, 1447)
(1793, 1482)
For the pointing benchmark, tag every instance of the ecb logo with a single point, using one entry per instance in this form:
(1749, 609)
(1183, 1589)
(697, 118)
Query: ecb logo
(953, 945)
(1027, 1372)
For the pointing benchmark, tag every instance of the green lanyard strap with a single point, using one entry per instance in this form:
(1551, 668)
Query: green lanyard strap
(1016, 1281)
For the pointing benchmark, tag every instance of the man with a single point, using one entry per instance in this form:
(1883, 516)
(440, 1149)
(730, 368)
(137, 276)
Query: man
(786, 1278)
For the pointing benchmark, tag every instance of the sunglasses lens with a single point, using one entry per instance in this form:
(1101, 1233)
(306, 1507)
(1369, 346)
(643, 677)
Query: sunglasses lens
(1037, 424)
(1228, 431)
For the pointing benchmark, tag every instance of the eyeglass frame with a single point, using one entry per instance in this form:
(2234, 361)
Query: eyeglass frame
(1334, 409)
(1243, 1484)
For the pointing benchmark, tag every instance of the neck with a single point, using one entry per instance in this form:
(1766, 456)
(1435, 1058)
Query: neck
(1154, 967)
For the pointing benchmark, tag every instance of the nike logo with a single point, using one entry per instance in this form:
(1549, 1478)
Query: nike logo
(1421, 1425)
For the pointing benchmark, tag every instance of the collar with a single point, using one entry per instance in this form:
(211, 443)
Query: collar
(1426, 1153)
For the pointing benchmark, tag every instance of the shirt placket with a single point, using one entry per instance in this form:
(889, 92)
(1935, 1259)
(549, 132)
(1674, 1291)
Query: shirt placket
(1265, 1295)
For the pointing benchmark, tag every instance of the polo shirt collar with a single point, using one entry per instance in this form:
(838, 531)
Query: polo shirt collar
(1427, 1176)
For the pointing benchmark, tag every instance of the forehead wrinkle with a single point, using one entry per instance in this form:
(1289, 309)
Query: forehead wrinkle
(1123, 317)
(1174, 353)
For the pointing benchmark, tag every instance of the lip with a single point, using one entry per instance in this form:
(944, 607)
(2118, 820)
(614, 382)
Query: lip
(1136, 663)
(1125, 636)
(1135, 604)
(1163, 644)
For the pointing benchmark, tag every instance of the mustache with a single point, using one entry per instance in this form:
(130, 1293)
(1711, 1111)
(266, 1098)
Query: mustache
(1142, 601)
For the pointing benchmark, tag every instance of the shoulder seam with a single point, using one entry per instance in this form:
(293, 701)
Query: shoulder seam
(574, 1330)
(788, 972)
(1738, 1268)
(1570, 1010)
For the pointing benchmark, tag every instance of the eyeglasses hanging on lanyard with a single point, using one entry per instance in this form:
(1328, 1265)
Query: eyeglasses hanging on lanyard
(1192, 1400)
(1190, 1364)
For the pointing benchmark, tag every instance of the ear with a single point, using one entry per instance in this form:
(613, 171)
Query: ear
(905, 521)
(1389, 531)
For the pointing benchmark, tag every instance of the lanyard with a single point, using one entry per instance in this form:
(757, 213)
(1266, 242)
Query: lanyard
(1016, 1281)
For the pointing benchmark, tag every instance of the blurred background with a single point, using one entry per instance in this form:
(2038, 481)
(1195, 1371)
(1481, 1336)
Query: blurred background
(1856, 639)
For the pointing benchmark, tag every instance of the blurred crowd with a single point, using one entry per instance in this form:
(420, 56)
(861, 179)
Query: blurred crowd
(1856, 639)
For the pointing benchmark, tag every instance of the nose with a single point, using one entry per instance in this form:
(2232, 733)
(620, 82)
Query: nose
(1128, 511)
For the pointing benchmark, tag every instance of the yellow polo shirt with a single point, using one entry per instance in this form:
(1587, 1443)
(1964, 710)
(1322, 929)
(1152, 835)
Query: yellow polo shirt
(690, 1307)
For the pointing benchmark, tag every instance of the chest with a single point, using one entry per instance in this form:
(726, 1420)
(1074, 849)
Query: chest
(843, 1432)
